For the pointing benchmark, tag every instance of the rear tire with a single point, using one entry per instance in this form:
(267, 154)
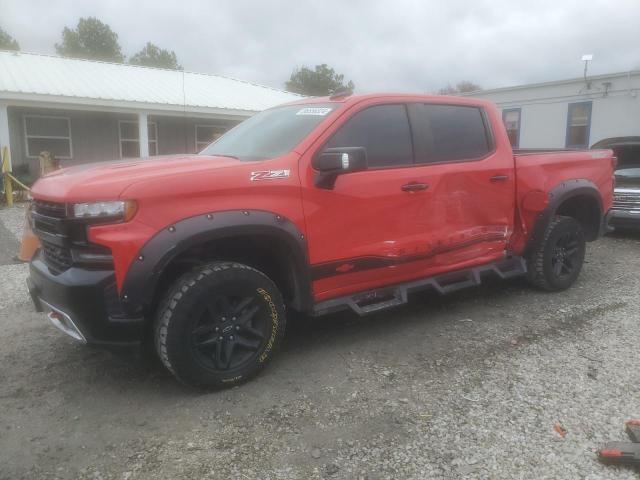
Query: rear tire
(219, 325)
(555, 263)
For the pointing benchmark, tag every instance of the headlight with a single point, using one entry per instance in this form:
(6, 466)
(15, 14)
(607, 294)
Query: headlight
(119, 209)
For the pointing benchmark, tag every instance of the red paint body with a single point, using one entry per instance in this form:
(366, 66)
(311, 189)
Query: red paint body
(462, 219)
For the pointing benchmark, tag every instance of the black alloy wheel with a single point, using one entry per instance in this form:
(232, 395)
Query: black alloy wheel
(555, 262)
(228, 331)
(565, 254)
(219, 325)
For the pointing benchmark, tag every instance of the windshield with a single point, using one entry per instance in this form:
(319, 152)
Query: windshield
(270, 133)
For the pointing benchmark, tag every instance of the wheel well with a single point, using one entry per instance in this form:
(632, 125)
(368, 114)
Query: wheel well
(586, 209)
(266, 253)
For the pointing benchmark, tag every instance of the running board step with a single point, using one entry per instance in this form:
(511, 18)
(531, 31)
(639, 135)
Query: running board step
(387, 297)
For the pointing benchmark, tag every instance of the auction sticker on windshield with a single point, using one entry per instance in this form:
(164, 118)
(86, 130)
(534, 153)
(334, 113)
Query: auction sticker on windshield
(319, 111)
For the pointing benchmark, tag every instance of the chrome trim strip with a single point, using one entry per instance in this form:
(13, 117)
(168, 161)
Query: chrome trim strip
(631, 190)
(626, 202)
(68, 327)
(632, 214)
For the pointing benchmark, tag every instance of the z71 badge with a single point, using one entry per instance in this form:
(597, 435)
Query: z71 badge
(269, 174)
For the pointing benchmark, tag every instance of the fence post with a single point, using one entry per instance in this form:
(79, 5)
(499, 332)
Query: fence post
(48, 163)
(6, 168)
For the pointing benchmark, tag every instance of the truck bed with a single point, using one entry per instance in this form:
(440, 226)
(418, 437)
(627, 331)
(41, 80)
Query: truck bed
(537, 151)
(540, 171)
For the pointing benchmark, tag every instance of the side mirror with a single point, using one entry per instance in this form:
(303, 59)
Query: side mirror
(332, 162)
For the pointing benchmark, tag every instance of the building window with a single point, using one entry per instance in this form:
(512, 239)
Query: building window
(206, 134)
(578, 125)
(51, 134)
(129, 138)
(511, 119)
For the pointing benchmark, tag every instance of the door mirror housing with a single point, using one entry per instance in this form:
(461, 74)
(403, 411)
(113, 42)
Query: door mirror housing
(332, 162)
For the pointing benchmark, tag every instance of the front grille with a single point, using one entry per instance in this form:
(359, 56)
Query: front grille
(64, 239)
(46, 224)
(627, 181)
(57, 258)
(626, 199)
(50, 209)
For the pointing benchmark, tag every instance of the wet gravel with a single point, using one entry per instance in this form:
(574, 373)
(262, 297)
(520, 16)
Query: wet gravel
(496, 382)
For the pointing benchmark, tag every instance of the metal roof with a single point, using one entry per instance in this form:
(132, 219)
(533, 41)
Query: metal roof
(48, 78)
(565, 81)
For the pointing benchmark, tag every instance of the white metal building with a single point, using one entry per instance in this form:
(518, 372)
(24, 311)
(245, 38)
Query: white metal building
(82, 110)
(570, 113)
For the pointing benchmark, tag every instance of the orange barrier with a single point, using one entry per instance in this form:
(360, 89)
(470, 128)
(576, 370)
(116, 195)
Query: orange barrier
(30, 242)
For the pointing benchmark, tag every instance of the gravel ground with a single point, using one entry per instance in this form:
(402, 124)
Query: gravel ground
(13, 220)
(465, 386)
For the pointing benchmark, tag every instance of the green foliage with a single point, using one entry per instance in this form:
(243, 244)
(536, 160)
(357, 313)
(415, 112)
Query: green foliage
(91, 39)
(153, 56)
(321, 81)
(7, 42)
(462, 87)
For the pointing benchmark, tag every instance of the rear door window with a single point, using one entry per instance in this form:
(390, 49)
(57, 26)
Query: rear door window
(445, 133)
(383, 130)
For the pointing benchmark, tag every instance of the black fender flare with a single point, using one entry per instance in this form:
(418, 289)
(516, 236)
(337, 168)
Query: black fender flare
(142, 277)
(557, 196)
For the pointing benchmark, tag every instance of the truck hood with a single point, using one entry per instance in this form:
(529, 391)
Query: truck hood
(107, 180)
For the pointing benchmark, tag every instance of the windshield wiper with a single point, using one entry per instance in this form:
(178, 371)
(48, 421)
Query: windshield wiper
(224, 155)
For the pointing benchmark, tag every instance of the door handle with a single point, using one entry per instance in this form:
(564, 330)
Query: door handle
(499, 178)
(414, 187)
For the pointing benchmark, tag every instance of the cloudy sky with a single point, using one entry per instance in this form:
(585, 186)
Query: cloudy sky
(399, 45)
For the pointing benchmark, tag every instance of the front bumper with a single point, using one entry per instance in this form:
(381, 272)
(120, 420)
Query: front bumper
(626, 207)
(605, 225)
(60, 319)
(83, 304)
(624, 219)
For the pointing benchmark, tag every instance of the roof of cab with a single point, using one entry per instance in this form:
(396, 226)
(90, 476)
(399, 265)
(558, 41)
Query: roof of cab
(390, 96)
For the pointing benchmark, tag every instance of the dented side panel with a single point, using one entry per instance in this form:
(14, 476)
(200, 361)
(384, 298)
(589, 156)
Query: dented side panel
(543, 178)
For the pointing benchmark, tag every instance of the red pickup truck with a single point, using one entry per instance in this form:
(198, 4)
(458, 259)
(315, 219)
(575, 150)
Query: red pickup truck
(314, 206)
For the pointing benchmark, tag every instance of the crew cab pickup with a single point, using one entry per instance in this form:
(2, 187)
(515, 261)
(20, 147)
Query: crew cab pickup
(345, 202)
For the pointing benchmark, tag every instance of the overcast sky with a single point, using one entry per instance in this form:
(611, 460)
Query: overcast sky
(399, 45)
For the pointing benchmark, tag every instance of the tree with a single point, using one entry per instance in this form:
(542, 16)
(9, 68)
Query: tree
(462, 87)
(7, 42)
(91, 39)
(321, 81)
(153, 56)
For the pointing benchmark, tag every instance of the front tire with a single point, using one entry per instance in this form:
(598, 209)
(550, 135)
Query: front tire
(219, 325)
(556, 262)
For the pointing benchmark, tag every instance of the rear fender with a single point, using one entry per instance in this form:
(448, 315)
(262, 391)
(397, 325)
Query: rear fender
(556, 197)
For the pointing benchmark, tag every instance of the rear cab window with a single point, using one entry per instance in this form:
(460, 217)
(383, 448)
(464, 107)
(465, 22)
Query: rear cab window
(448, 133)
